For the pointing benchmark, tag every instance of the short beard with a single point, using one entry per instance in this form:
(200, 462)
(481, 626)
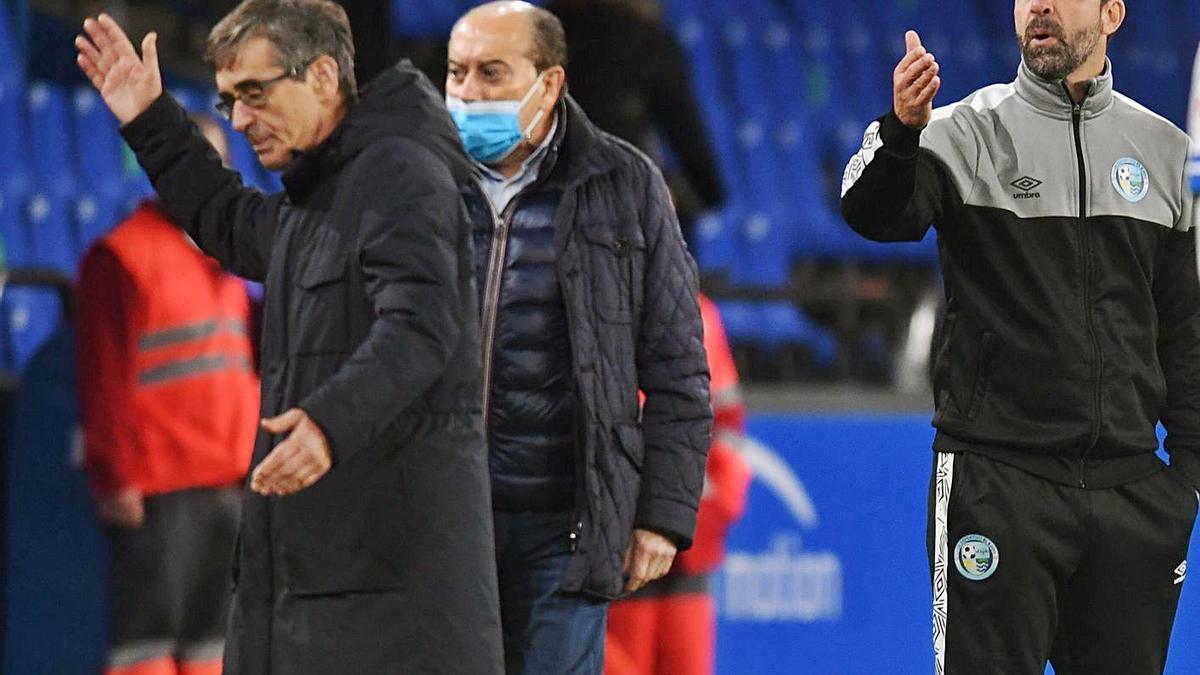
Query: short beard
(1056, 62)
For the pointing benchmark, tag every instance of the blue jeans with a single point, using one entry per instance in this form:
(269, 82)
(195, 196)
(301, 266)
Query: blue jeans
(546, 632)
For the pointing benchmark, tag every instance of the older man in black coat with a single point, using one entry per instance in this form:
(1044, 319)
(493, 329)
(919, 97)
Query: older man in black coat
(366, 542)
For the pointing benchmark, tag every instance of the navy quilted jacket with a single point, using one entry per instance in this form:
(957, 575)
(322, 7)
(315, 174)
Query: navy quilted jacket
(624, 295)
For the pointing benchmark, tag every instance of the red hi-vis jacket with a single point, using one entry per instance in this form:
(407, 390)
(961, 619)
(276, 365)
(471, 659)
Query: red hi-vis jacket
(167, 386)
(727, 476)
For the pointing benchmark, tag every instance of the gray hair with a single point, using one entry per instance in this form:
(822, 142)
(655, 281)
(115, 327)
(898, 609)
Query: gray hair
(300, 30)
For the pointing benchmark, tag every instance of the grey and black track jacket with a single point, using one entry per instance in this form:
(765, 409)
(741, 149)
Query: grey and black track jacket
(1073, 305)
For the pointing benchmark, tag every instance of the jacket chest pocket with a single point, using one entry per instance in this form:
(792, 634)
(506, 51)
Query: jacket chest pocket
(317, 316)
(617, 259)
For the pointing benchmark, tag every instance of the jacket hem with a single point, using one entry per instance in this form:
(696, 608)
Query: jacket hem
(1091, 473)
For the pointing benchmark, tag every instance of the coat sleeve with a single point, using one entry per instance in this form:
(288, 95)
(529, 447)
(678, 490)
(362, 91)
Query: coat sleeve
(106, 371)
(230, 222)
(1177, 299)
(899, 182)
(407, 246)
(673, 375)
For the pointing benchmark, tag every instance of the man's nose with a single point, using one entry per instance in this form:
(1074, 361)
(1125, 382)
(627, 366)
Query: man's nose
(1041, 6)
(241, 117)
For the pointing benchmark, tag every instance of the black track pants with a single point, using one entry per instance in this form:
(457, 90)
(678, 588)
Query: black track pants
(1027, 570)
(169, 579)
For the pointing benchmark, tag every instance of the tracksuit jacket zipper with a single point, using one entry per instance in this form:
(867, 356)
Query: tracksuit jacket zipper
(1088, 264)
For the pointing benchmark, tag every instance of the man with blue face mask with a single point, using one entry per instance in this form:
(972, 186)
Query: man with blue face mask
(587, 296)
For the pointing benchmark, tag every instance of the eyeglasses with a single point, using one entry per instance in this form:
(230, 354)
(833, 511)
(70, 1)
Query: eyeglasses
(252, 93)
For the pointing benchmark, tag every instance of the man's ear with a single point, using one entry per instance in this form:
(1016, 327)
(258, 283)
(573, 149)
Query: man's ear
(1112, 15)
(324, 74)
(555, 79)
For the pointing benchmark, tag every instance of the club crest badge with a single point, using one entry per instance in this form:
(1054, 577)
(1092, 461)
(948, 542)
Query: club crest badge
(1130, 179)
(976, 557)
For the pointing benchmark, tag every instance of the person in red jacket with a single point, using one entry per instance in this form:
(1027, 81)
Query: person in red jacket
(669, 627)
(169, 399)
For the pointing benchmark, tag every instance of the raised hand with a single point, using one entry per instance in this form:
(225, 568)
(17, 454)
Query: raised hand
(128, 84)
(914, 83)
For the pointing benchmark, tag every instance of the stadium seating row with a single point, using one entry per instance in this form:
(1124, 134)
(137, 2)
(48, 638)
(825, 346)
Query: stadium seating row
(786, 86)
(71, 180)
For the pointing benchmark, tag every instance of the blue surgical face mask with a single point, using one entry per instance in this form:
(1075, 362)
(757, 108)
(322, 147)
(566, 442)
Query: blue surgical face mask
(491, 130)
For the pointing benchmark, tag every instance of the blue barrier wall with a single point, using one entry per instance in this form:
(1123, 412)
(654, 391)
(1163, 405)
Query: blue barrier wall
(827, 572)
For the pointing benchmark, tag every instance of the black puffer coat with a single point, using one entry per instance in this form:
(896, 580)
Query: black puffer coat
(386, 564)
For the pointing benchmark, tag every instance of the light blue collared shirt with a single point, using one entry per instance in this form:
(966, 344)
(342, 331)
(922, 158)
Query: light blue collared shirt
(500, 190)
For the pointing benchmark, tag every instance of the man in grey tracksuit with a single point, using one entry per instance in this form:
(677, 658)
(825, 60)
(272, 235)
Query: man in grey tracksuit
(1064, 222)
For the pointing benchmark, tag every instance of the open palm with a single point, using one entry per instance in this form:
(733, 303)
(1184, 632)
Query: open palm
(127, 83)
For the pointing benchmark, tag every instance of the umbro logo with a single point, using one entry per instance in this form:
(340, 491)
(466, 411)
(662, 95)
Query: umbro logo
(1181, 573)
(1026, 185)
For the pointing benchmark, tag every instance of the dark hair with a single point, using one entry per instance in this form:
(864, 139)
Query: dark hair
(300, 30)
(549, 40)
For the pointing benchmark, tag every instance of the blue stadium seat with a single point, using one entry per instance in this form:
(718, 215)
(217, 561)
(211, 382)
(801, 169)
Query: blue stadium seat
(96, 215)
(766, 244)
(716, 242)
(784, 324)
(772, 325)
(31, 315)
(53, 161)
(14, 231)
(206, 102)
(15, 178)
(420, 19)
(812, 77)
(867, 69)
(52, 224)
(10, 59)
(1003, 59)
(698, 41)
(136, 184)
(740, 321)
(814, 177)
(189, 98)
(101, 165)
(766, 211)
(973, 57)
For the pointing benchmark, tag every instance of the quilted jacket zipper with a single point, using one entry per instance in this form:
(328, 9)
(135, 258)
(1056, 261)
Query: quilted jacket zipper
(502, 227)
